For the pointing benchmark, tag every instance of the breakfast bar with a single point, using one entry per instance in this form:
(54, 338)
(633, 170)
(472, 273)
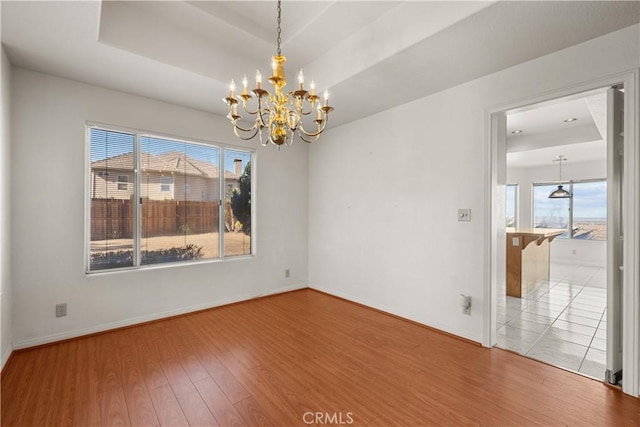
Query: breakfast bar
(528, 258)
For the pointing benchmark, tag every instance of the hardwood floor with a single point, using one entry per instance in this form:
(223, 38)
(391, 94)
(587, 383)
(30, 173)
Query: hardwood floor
(280, 360)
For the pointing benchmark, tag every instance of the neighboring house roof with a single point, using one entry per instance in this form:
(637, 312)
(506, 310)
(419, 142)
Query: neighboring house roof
(173, 163)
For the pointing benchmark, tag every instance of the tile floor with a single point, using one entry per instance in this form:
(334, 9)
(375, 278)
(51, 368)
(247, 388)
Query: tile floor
(562, 322)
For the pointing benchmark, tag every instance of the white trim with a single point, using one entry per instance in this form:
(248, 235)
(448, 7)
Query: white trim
(148, 318)
(446, 328)
(137, 134)
(631, 274)
(631, 224)
(5, 356)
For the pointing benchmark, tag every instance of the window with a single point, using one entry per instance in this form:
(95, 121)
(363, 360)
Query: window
(511, 205)
(111, 210)
(123, 182)
(585, 214)
(589, 210)
(172, 210)
(550, 213)
(237, 236)
(165, 184)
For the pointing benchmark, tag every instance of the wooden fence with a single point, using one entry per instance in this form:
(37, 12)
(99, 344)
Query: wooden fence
(113, 218)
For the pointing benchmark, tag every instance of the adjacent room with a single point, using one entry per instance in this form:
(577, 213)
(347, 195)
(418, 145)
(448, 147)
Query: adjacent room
(559, 315)
(295, 213)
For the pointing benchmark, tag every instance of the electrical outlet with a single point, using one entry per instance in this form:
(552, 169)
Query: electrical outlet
(464, 214)
(287, 273)
(61, 309)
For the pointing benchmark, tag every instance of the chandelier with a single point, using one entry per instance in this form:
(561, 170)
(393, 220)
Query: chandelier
(278, 114)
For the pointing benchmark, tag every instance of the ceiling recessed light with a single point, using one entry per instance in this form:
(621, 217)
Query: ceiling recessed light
(569, 120)
(517, 131)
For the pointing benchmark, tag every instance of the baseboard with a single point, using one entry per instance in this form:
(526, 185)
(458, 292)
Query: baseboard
(19, 345)
(389, 311)
(5, 356)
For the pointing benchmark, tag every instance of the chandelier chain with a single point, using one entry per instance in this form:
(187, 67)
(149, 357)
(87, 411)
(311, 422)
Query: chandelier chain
(279, 31)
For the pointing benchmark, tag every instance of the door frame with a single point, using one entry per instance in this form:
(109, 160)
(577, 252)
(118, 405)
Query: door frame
(495, 256)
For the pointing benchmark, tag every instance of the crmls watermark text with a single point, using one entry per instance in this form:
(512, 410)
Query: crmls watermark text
(328, 417)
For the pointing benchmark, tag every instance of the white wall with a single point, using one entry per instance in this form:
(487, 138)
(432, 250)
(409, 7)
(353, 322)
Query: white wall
(48, 153)
(587, 252)
(5, 228)
(384, 191)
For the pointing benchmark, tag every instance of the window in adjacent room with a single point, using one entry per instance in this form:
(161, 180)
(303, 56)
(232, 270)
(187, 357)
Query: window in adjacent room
(585, 214)
(589, 220)
(175, 204)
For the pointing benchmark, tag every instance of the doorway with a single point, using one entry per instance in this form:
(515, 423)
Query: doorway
(560, 315)
(572, 309)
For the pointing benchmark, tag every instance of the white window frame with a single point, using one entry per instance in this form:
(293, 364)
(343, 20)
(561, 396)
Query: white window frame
(137, 193)
(168, 184)
(125, 182)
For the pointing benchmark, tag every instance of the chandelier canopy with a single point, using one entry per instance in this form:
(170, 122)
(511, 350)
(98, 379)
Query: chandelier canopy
(278, 114)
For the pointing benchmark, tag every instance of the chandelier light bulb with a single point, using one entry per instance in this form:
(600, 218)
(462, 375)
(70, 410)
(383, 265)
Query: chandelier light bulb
(232, 87)
(326, 97)
(245, 85)
(313, 87)
(300, 77)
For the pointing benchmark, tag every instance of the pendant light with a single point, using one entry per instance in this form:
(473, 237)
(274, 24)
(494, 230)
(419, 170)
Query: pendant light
(560, 193)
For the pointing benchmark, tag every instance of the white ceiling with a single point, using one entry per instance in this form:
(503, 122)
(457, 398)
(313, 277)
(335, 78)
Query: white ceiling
(594, 151)
(545, 134)
(373, 55)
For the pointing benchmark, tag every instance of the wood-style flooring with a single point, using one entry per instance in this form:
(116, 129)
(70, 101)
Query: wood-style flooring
(300, 358)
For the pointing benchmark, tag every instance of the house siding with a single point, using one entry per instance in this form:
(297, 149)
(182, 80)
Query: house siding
(105, 185)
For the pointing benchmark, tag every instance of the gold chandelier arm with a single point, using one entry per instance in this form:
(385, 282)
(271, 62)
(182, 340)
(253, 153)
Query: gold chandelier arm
(260, 113)
(307, 140)
(298, 99)
(293, 120)
(253, 113)
(260, 93)
(311, 108)
(236, 128)
(314, 134)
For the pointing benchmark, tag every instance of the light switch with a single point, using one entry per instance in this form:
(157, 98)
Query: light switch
(464, 214)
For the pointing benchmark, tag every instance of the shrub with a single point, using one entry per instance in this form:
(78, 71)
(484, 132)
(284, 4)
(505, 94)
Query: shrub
(117, 259)
(241, 200)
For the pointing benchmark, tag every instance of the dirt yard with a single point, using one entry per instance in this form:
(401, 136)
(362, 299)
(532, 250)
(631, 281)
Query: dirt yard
(235, 244)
